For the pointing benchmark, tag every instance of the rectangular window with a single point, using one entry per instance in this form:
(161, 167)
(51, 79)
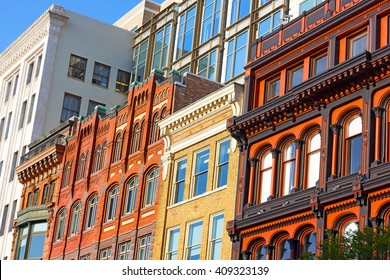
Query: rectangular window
(122, 81)
(8, 125)
(173, 244)
(236, 56)
(201, 172)
(30, 73)
(2, 127)
(15, 84)
(358, 44)
(37, 240)
(12, 217)
(211, 19)
(1, 167)
(217, 228)
(4, 220)
(22, 243)
(308, 4)
(91, 106)
(161, 47)
(223, 163)
(38, 69)
(139, 62)
(206, 65)
(70, 106)
(295, 77)
(319, 64)
(272, 88)
(8, 91)
(240, 8)
(186, 32)
(105, 254)
(194, 240)
(124, 251)
(22, 114)
(30, 110)
(144, 247)
(77, 67)
(179, 185)
(269, 24)
(101, 74)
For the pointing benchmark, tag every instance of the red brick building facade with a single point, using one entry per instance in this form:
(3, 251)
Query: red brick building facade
(315, 135)
(108, 199)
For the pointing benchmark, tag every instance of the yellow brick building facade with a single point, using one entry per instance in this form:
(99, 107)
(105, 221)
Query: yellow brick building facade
(200, 166)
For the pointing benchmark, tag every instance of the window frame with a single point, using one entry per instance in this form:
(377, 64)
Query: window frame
(310, 154)
(117, 153)
(262, 170)
(30, 71)
(232, 55)
(151, 186)
(105, 253)
(215, 18)
(138, 53)
(178, 181)
(131, 201)
(182, 31)
(172, 249)
(162, 54)
(285, 162)
(214, 239)
(124, 250)
(314, 59)
(355, 37)
(268, 88)
(75, 218)
(211, 61)
(272, 26)
(347, 143)
(122, 81)
(219, 165)
(60, 225)
(144, 248)
(101, 75)
(79, 70)
(91, 212)
(111, 208)
(189, 246)
(196, 174)
(291, 72)
(67, 112)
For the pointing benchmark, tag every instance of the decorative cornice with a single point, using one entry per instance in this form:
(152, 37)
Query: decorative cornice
(31, 37)
(279, 224)
(360, 72)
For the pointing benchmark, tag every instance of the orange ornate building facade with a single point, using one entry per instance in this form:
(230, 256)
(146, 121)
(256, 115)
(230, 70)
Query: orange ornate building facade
(109, 192)
(314, 139)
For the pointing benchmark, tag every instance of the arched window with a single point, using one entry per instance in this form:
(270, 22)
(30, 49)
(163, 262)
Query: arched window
(48, 191)
(81, 167)
(96, 159)
(283, 250)
(112, 203)
(61, 219)
(117, 148)
(260, 252)
(309, 245)
(313, 159)
(353, 145)
(134, 145)
(288, 167)
(92, 205)
(349, 228)
(154, 132)
(103, 157)
(66, 178)
(151, 186)
(75, 218)
(265, 177)
(131, 195)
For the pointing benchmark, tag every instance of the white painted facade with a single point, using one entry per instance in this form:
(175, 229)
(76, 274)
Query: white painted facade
(54, 36)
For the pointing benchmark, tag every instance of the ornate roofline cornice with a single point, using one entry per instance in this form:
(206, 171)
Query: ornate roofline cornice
(226, 96)
(31, 37)
(360, 72)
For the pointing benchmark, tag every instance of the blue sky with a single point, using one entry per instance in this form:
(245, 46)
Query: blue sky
(17, 15)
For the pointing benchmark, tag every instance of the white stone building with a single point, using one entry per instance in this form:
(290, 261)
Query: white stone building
(64, 64)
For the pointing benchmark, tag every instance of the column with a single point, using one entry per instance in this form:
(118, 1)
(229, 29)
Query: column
(275, 154)
(252, 179)
(378, 111)
(336, 132)
(293, 248)
(269, 249)
(298, 155)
